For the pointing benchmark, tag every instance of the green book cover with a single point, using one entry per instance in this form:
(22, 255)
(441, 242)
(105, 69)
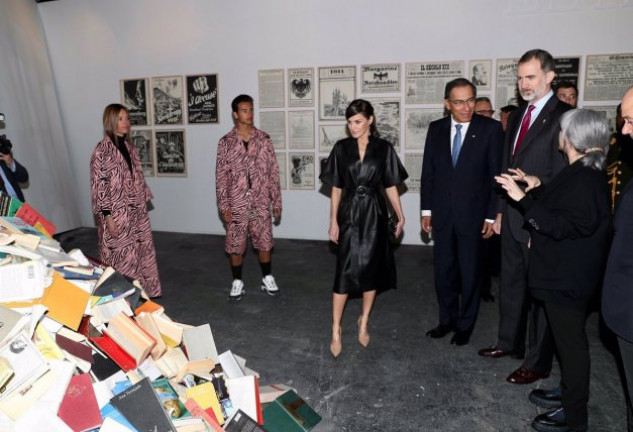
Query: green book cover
(290, 413)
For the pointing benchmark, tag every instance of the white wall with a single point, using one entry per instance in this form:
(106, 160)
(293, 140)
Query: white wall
(95, 43)
(33, 121)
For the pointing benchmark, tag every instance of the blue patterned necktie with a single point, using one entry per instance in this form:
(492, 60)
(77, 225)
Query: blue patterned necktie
(457, 143)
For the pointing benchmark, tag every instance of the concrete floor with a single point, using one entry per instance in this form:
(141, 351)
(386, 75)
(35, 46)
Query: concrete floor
(403, 381)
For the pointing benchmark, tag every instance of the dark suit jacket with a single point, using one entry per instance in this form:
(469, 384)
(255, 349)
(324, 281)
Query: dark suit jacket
(463, 194)
(617, 294)
(21, 175)
(538, 156)
(569, 222)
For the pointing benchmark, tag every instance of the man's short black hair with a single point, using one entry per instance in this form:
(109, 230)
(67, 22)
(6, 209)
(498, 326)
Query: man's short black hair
(458, 82)
(240, 99)
(567, 84)
(545, 59)
(509, 108)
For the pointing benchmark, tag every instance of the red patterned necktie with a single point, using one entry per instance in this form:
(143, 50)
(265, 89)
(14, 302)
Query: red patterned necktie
(525, 125)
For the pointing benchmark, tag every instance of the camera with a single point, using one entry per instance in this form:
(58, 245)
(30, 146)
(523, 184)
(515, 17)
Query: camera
(5, 144)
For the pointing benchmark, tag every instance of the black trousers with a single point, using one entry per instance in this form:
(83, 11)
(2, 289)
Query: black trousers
(517, 308)
(626, 352)
(457, 266)
(567, 314)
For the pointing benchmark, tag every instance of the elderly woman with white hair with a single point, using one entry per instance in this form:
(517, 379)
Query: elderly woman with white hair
(569, 222)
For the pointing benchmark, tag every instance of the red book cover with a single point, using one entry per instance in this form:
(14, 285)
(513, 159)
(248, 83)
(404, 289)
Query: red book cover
(208, 415)
(79, 408)
(31, 216)
(114, 351)
(260, 415)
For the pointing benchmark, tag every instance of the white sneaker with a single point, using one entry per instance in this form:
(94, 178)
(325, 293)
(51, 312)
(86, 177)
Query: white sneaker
(237, 290)
(269, 286)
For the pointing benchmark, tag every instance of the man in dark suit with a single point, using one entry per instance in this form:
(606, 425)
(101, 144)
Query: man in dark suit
(458, 203)
(617, 294)
(531, 144)
(11, 174)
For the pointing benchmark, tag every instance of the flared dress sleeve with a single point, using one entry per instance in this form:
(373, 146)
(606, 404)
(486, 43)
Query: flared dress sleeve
(395, 173)
(333, 168)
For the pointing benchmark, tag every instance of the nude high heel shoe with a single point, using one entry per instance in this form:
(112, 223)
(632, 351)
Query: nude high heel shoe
(336, 346)
(363, 334)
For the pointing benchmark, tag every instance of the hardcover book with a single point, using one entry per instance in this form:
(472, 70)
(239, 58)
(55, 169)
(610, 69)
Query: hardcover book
(290, 413)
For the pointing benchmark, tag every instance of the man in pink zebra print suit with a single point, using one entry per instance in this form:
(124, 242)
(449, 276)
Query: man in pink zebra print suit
(247, 188)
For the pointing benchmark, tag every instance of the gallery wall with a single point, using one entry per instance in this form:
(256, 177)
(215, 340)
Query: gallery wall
(94, 44)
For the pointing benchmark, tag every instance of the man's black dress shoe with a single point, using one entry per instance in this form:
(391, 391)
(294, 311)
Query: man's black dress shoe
(496, 352)
(461, 337)
(552, 421)
(526, 376)
(546, 398)
(440, 331)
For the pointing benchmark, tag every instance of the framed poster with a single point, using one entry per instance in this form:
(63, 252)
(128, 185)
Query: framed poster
(337, 88)
(167, 100)
(481, 74)
(417, 122)
(134, 99)
(283, 177)
(300, 87)
(171, 154)
(301, 171)
(387, 115)
(202, 99)
(271, 88)
(274, 124)
(608, 76)
(301, 129)
(329, 134)
(380, 78)
(143, 140)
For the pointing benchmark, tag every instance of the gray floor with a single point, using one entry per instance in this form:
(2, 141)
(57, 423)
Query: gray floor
(402, 382)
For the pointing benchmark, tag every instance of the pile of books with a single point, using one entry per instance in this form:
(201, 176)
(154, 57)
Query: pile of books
(83, 348)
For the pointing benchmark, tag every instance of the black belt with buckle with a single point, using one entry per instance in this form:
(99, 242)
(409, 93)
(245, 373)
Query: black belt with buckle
(362, 191)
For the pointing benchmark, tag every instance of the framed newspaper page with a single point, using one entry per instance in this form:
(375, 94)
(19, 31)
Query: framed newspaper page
(380, 78)
(337, 88)
(301, 171)
(608, 76)
(567, 69)
(301, 130)
(271, 88)
(329, 134)
(281, 162)
(143, 140)
(413, 165)
(167, 100)
(481, 74)
(134, 99)
(417, 122)
(202, 99)
(506, 87)
(301, 89)
(387, 118)
(274, 124)
(171, 154)
(425, 81)
(608, 112)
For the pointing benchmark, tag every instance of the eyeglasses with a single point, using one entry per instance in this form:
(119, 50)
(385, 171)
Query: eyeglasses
(485, 112)
(461, 103)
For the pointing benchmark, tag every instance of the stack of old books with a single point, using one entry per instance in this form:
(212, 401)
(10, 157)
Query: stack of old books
(83, 348)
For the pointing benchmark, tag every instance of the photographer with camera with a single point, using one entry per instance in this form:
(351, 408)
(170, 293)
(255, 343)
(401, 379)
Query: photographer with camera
(11, 172)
